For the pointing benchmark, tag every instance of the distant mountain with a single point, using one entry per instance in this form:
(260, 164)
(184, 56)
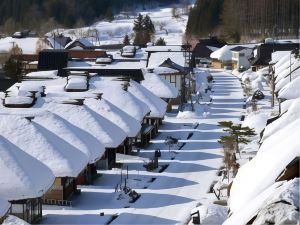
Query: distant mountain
(42, 15)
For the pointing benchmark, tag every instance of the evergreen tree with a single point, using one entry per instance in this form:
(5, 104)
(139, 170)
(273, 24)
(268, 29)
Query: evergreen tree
(237, 133)
(126, 40)
(144, 30)
(109, 15)
(160, 42)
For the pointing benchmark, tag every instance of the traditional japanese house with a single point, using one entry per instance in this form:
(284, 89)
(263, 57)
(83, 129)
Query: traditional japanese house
(157, 105)
(65, 161)
(81, 43)
(160, 87)
(24, 180)
(222, 58)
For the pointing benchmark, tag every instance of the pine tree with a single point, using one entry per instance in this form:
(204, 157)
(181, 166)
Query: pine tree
(126, 40)
(160, 42)
(238, 133)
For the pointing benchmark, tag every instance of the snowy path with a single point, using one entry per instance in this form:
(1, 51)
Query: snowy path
(170, 198)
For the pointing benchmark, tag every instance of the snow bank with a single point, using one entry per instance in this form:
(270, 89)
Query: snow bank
(200, 111)
(261, 172)
(157, 105)
(222, 54)
(22, 176)
(62, 158)
(12, 220)
(117, 116)
(211, 214)
(159, 86)
(270, 199)
(4, 205)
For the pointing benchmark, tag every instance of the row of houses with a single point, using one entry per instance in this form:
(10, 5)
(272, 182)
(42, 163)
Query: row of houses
(70, 116)
(219, 54)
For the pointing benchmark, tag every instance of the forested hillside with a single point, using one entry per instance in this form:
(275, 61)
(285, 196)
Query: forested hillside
(40, 14)
(236, 19)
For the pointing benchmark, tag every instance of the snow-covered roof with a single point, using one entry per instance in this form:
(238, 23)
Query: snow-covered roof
(87, 119)
(159, 86)
(156, 104)
(254, 177)
(291, 115)
(117, 116)
(284, 191)
(156, 59)
(4, 206)
(164, 70)
(280, 83)
(84, 41)
(120, 98)
(62, 158)
(257, 121)
(71, 134)
(276, 56)
(22, 176)
(291, 90)
(222, 54)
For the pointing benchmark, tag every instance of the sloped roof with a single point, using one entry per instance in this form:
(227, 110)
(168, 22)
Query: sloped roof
(87, 119)
(62, 158)
(117, 116)
(82, 41)
(119, 97)
(159, 86)
(71, 134)
(22, 176)
(156, 104)
(156, 59)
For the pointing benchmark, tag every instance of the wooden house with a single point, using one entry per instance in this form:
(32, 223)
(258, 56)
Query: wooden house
(222, 58)
(204, 48)
(23, 181)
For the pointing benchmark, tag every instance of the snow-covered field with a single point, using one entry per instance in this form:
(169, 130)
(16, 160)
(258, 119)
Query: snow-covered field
(169, 196)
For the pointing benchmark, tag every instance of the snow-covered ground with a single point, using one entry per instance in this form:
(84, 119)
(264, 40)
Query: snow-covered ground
(167, 197)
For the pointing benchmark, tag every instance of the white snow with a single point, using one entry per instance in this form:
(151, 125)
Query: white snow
(18, 100)
(13, 220)
(257, 121)
(76, 83)
(254, 177)
(62, 158)
(291, 90)
(157, 105)
(156, 59)
(279, 191)
(51, 74)
(87, 119)
(211, 214)
(28, 45)
(222, 54)
(117, 116)
(159, 86)
(22, 176)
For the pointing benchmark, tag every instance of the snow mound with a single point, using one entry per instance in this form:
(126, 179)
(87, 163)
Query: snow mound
(51, 74)
(200, 111)
(22, 176)
(159, 86)
(211, 214)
